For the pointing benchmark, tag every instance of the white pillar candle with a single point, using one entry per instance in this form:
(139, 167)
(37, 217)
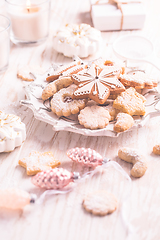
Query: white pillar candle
(30, 22)
(4, 42)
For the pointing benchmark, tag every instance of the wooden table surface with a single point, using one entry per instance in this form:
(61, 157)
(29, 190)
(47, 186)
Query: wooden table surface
(62, 216)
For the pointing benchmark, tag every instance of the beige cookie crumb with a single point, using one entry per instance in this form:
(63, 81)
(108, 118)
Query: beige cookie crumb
(24, 72)
(38, 161)
(94, 117)
(132, 156)
(100, 203)
(131, 102)
(156, 149)
(124, 122)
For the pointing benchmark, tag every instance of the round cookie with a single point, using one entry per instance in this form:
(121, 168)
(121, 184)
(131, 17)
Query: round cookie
(94, 117)
(81, 40)
(62, 103)
(100, 203)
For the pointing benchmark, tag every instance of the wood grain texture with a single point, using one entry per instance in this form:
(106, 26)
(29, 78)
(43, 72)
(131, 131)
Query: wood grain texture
(62, 216)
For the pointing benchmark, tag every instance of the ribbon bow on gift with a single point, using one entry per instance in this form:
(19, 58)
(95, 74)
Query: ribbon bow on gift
(119, 4)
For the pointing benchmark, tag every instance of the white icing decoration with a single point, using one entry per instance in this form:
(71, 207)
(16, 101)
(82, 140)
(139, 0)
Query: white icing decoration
(139, 77)
(12, 132)
(100, 82)
(68, 69)
(81, 40)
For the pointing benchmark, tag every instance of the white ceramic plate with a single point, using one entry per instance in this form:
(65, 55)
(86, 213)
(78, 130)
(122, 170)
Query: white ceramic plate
(40, 110)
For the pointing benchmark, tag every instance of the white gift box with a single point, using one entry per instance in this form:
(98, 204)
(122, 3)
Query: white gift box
(108, 17)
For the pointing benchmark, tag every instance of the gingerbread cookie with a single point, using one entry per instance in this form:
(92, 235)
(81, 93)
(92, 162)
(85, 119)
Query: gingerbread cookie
(130, 102)
(38, 161)
(124, 122)
(63, 104)
(55, 86)
(77, 39)
(67, 70)
(94, 117)
(96, 83)
(139, 80)
(25, 72)
(100, 203)
(132, 156)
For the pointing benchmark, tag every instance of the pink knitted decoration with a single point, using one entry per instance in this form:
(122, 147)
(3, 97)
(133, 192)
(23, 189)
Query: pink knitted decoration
(56, 178)
(86, 156)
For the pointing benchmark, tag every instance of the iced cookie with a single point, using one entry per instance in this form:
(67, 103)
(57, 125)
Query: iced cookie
(67, 70)
(96, 83)
(38, 161)
(63, 104)
(94, 117)
(124, 122)
(55, 86)
(25, 72)
(139, 80)
(102, 63)
(77, 39)
(100, 203)
(12, 132)
(130, 102)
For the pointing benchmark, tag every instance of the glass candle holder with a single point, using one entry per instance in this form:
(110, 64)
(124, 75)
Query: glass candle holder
(4, 42)
(30, 20)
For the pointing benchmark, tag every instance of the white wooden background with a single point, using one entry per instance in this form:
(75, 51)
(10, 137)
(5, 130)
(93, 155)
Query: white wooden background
(62, 217)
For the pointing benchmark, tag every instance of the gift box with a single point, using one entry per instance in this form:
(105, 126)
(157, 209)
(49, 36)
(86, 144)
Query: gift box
(117, 15)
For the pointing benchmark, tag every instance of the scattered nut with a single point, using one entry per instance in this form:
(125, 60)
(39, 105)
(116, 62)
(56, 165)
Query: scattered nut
(156, 149)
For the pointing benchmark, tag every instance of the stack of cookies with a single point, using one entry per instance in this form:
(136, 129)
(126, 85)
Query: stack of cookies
(99, 93)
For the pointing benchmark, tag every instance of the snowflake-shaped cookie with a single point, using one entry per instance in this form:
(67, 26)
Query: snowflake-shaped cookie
(38, 161)
(95, 83)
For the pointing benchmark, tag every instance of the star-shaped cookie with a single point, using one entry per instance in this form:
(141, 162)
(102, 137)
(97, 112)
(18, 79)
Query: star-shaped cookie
(139, 80)
(96, 83)
(38, 161)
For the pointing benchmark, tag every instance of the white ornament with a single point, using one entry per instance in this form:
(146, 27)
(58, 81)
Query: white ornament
(81, 40)
(12, 132)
